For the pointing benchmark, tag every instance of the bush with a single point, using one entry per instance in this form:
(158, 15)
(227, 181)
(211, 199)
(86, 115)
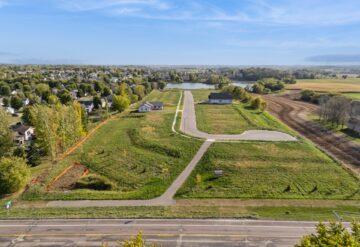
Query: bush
(258, 104)
(94, 182)
(266, 86)
(14, 174)
(307, 95)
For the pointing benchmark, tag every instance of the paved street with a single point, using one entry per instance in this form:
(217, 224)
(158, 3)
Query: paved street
(178, 233)
(188, 126)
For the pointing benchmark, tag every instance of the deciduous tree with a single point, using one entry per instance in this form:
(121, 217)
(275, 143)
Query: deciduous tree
(6, 141)
(335, 234)
(14, 174)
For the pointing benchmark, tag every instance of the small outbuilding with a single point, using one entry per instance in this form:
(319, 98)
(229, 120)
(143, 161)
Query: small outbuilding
(220, 98)
(151, 106)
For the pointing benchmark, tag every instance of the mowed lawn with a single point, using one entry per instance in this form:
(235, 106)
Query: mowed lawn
(328, 85)
(201, 95)
(269, 171)
(232, 119)
(138, 152)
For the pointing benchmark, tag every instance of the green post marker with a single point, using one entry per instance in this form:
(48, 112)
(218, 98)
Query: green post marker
(8, 204)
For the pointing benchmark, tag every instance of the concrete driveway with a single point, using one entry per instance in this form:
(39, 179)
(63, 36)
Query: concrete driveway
(188, 126)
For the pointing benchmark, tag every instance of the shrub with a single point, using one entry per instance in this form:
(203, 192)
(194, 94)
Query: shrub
(258, 104)
(14, 174)
(94, 182)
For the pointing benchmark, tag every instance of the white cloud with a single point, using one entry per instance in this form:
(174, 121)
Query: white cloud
(265, 12)
(93, 5)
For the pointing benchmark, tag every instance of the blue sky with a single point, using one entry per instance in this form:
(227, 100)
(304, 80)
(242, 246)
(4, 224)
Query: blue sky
(174, 32)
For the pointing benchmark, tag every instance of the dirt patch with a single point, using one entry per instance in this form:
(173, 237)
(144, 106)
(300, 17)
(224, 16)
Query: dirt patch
(67, 179)
(294, 113)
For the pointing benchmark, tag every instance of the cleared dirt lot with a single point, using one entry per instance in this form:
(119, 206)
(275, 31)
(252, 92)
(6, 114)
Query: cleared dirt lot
(293, 113)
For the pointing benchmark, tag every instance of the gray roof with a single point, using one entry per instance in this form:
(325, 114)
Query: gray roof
(151, 104)
(20, 128)
(224, 95)
(157, 103)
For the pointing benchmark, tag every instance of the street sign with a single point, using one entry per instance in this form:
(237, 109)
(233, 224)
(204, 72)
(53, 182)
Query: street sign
(8, 204)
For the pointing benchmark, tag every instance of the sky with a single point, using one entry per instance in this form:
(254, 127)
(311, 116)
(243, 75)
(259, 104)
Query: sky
(180, 32)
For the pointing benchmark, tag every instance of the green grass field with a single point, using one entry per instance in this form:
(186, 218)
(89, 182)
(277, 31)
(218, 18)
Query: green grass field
(138, 152)
(234, 119)
(269, 171)
(354, 96)
(202, 94)
(328, 85)
(348, 213)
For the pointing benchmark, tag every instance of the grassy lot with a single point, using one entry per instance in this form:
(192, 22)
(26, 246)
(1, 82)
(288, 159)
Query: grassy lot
(169, 97)
(202, 94)
(354, 96)
(209, 211)
(234, 119)
(138, 152)
(269, 171)
(328, 85)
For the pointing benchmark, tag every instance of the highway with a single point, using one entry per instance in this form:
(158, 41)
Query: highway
(171, 232)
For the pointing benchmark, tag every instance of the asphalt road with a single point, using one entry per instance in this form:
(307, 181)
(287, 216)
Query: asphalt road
(188, 126)
(177, 233)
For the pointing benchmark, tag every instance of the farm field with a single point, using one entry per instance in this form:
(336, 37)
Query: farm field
(269, 171)
(232, 119)
(328, 85)
(137, 152)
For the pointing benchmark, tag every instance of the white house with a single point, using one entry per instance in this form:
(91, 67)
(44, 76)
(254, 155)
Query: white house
(22, 133)
(220, 98)
(150, 106)
(87, 103)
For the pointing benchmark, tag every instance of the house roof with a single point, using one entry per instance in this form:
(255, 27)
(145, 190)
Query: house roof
(86, 101)
(152, 104)
(224, 95)
(20, 128)
(157, 103)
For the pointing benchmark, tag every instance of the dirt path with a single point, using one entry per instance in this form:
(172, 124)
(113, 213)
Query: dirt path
(294, 113)
(188, 126)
